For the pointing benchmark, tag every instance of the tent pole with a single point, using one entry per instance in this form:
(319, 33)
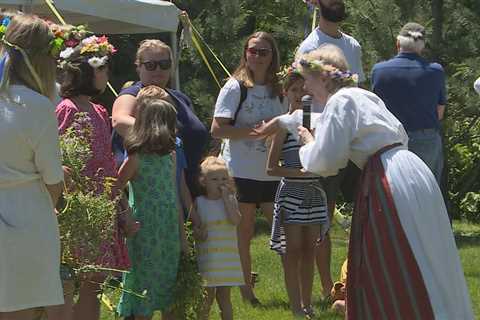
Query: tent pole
(174, 46)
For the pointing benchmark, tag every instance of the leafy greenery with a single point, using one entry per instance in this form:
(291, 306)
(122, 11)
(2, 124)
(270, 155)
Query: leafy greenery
(189, 293)
(87, 219)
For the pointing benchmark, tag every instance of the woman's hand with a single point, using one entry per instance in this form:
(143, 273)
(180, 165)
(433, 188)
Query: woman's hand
(265, 129)
(128, 224)
(305, 135)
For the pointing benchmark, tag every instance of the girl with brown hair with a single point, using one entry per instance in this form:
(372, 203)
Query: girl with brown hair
(154, 250)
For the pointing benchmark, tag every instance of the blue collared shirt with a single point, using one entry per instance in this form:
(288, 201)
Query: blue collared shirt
(411, 88)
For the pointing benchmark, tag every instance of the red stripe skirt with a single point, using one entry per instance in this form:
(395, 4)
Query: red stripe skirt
(384, 280)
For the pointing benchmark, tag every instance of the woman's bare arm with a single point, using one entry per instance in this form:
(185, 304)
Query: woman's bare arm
(222, 129)
(123, 112)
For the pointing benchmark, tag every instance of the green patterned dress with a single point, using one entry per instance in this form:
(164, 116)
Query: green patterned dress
(155, 250)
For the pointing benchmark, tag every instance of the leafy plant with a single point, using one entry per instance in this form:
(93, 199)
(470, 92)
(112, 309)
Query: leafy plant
(189, 293)
(87, 219)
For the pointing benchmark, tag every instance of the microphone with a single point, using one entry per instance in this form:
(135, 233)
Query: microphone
(307, 107)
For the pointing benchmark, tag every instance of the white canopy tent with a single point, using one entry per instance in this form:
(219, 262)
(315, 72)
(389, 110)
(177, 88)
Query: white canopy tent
(110, 16)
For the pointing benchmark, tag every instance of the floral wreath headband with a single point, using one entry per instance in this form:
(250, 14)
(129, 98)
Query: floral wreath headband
(94, 50)
(329, 71)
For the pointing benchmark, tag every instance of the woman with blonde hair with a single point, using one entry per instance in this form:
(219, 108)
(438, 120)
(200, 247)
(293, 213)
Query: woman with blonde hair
(30, 172)
(402, 258)
(251, 96)
(154, 61)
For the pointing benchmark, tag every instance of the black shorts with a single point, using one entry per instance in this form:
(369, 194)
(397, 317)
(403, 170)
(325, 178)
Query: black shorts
(255, 191)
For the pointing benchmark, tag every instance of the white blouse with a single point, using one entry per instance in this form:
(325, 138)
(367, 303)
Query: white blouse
(354, 125)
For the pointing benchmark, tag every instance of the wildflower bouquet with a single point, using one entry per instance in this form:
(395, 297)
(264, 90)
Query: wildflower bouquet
(88, 216)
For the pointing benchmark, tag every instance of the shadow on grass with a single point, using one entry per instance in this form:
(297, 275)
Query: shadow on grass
(262, 226)
(467, 240)
(274, 304)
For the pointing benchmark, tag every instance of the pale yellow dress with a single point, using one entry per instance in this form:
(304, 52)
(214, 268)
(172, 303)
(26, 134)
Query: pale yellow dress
(29, 237)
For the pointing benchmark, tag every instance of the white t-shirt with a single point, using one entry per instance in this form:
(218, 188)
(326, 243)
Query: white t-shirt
(247, 158)
(354, 125)
(350, 47)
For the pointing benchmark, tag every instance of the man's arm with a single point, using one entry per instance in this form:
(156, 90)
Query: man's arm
(440, 111)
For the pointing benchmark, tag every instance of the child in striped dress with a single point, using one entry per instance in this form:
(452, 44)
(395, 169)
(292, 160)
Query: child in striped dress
(300, 210)
(217, 248)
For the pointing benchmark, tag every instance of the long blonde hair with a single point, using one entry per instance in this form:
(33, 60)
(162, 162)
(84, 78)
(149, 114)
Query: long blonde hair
(243, 73)
(32, 35)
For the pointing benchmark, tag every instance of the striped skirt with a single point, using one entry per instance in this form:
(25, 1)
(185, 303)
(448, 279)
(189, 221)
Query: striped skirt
(298, 201)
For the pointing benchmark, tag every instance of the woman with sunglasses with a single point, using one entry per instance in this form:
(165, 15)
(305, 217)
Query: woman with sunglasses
(154, 61)
(245, 156)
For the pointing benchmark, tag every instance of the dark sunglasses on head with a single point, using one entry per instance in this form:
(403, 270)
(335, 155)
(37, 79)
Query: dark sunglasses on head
(262, 52)
(152, 65)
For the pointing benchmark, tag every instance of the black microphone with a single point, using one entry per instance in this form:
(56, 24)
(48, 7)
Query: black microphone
(307, 107)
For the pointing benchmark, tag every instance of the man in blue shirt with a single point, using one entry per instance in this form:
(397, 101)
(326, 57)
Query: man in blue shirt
(414, 91)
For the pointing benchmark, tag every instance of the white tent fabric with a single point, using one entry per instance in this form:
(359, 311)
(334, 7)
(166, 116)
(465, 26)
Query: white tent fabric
(108, 16)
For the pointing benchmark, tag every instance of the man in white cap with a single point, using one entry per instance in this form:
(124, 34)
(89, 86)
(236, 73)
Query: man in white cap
(414, 91)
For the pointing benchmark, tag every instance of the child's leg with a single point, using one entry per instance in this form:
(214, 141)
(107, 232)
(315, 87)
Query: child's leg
(88, 305)
(209, 298)
(310, 235)
(291, 265)
(224, 303)
(245, 232)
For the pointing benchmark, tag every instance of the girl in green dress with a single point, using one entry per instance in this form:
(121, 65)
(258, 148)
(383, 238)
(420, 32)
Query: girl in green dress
(155, 250)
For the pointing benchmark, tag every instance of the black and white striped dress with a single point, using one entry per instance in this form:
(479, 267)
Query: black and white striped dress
(299, 200)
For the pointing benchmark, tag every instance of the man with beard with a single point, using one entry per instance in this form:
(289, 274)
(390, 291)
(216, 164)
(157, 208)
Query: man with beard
(332, 13)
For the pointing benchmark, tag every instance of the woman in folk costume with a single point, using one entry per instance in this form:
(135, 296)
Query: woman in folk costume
(402, 262)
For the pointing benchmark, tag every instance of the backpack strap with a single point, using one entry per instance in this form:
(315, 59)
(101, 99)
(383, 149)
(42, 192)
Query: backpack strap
(243, 96)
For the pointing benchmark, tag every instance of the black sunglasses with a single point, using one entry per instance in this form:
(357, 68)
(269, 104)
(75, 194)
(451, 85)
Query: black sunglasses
(152, 65)
(262, 52)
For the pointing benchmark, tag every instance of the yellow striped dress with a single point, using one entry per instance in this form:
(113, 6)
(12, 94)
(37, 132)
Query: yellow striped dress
(218, 257)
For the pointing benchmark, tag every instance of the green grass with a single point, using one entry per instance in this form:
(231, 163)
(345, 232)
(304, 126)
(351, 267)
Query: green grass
(270, 289)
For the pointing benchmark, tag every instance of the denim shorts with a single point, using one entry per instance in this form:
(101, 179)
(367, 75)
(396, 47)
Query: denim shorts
(427, 145)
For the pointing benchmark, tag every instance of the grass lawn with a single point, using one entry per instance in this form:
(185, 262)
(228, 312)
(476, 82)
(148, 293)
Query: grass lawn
(270, 289)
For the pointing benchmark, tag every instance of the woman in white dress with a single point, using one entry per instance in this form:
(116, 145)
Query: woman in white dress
(403, 262)
(30, 174)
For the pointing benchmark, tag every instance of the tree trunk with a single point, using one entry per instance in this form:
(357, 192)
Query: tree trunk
(437, 36)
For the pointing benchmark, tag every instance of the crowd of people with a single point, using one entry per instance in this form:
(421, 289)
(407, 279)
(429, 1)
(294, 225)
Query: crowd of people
(381, 148)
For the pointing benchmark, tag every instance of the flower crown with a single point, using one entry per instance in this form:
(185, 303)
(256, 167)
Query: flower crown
(95, 50)
(329, 71)
(63, 36)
